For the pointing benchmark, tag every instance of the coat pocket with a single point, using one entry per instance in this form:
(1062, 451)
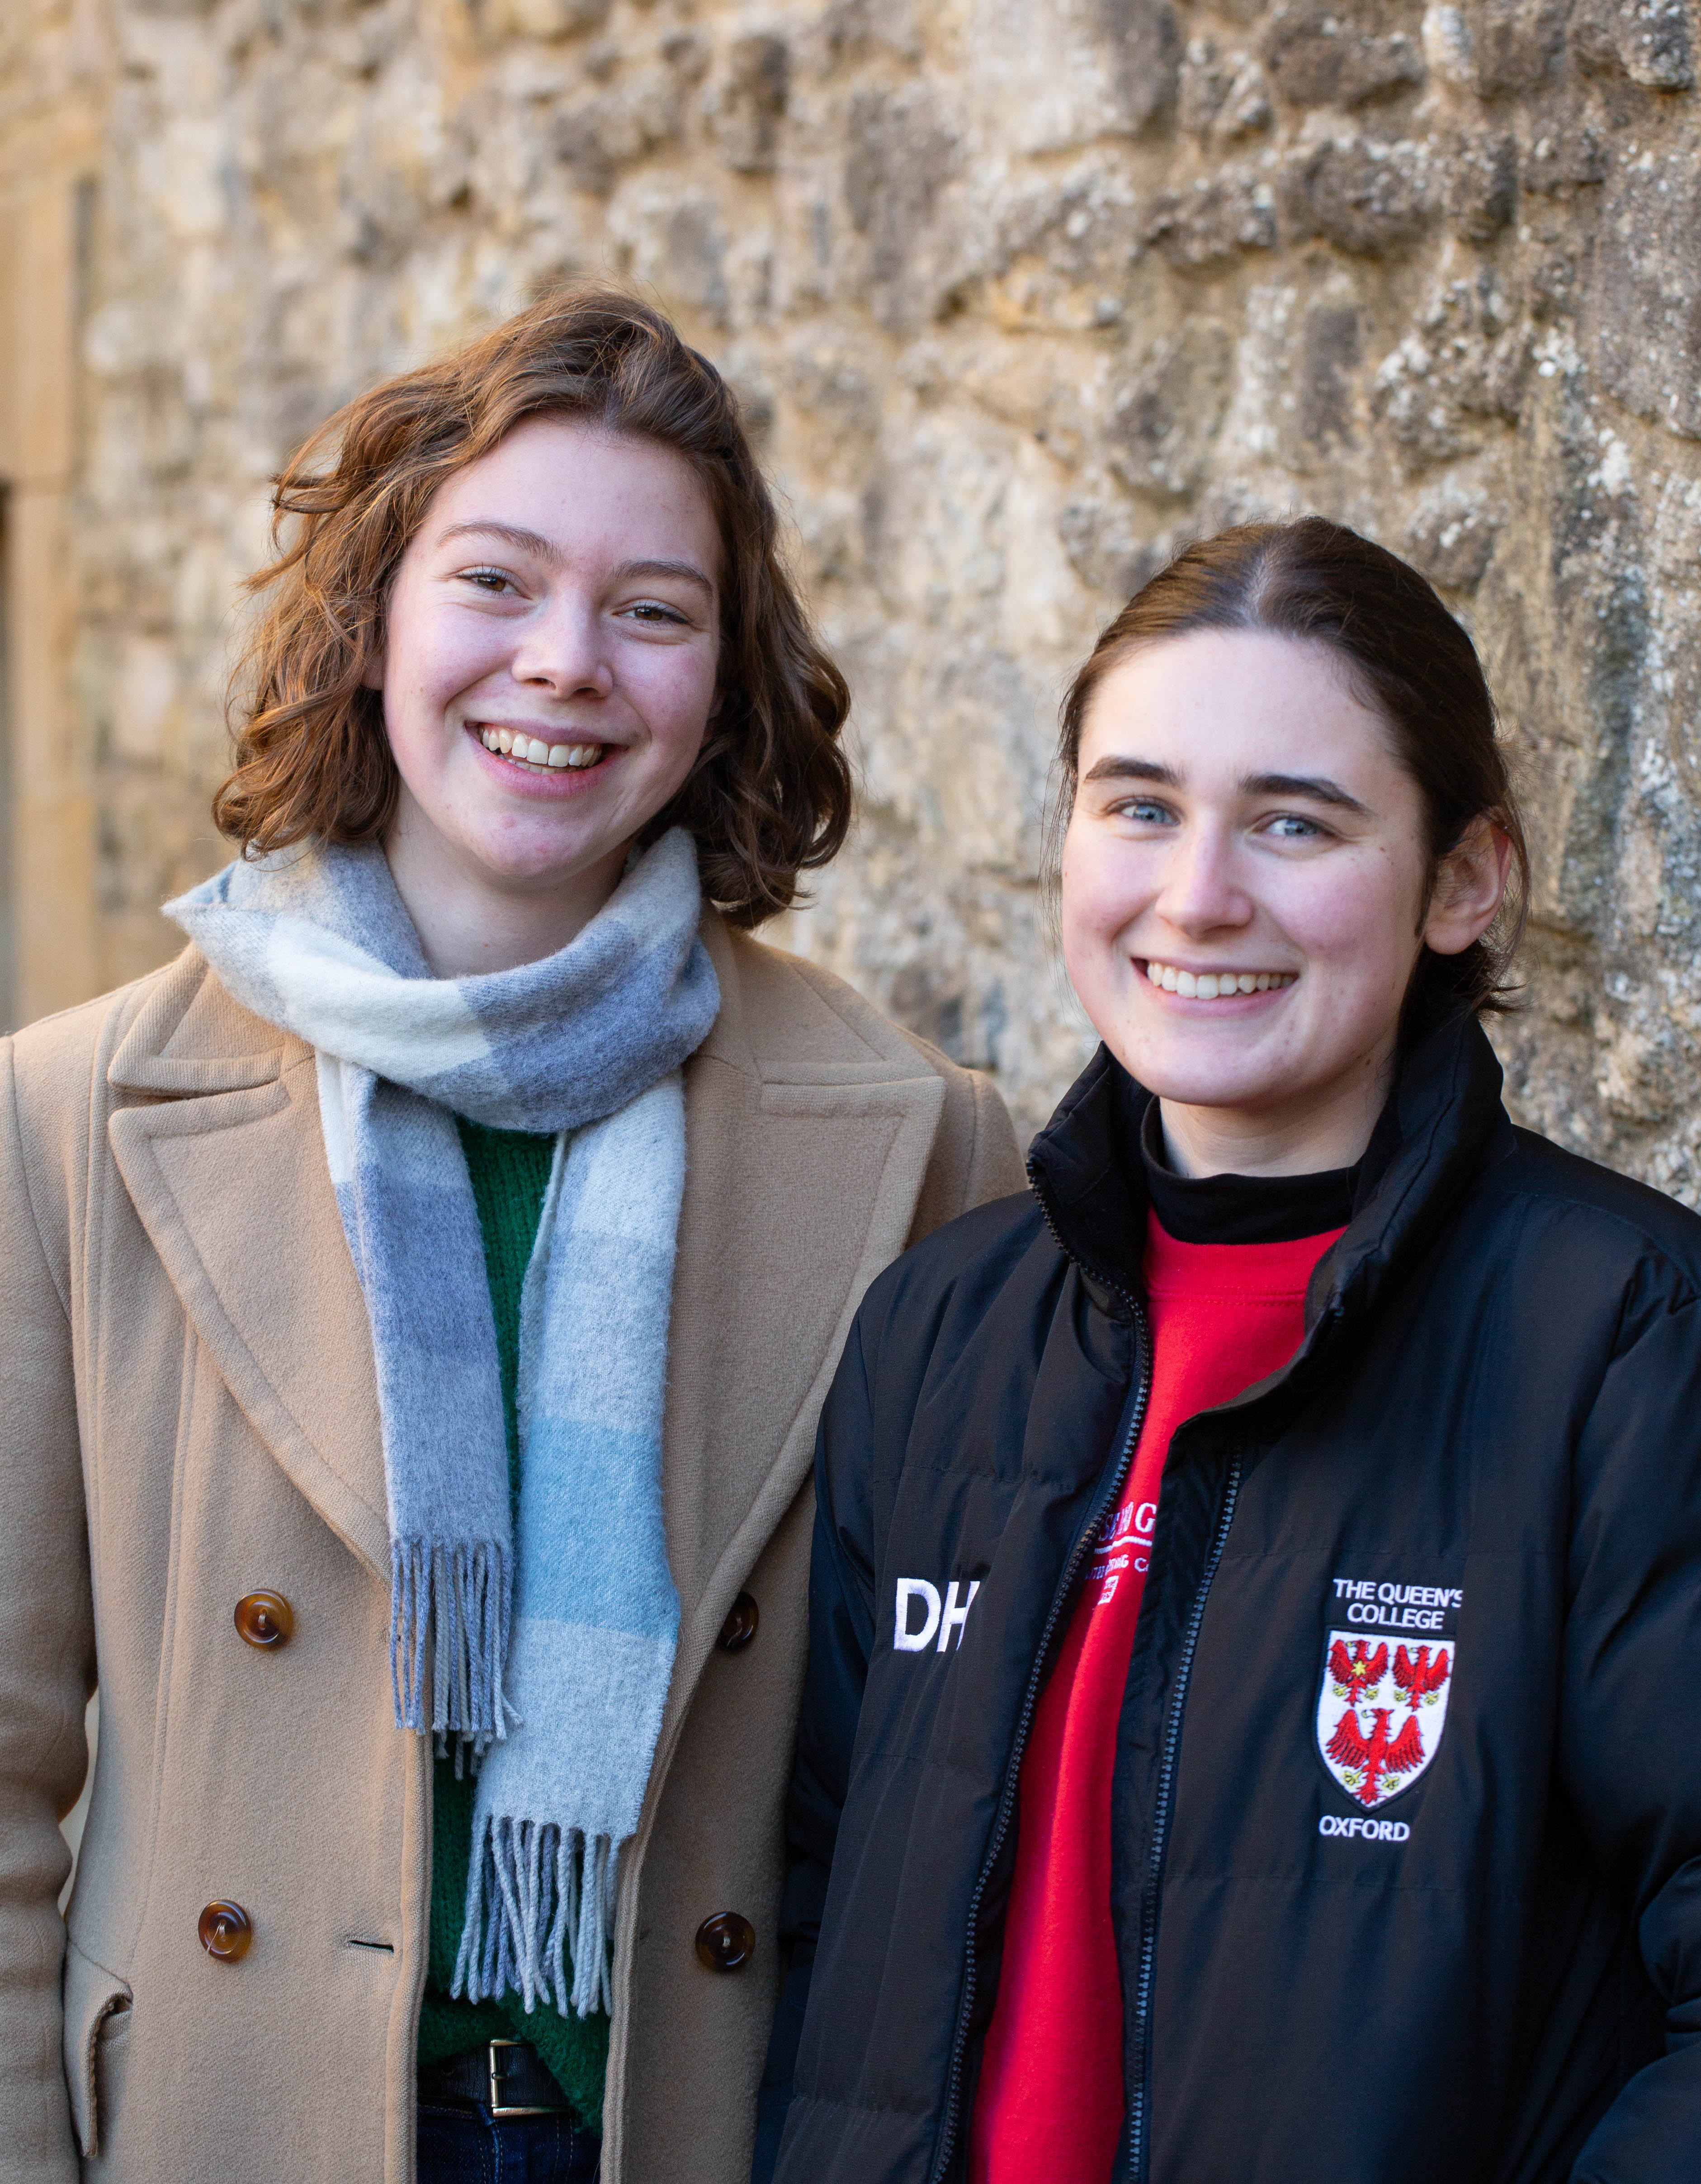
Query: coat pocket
(97, 2018)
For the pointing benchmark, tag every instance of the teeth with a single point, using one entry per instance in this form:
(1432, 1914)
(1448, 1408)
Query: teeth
(1216, 985)
(532, 752)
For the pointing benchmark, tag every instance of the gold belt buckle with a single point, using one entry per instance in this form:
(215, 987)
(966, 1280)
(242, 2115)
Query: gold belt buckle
(497, 2106)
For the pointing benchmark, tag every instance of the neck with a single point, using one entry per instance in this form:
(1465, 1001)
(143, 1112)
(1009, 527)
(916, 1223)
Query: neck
(1309, 1138)
(470, 922)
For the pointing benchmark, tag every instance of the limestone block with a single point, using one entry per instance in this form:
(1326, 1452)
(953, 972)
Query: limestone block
(1643, 310)
(1320, 55)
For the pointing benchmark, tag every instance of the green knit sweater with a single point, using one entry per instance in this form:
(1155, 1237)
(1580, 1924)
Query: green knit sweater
(511, 1172)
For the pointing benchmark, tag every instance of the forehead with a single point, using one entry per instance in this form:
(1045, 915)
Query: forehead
(1230, 703)
(585, 491)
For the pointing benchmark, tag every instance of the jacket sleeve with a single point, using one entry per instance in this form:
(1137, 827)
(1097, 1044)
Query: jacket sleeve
(1628, 1749)
(47, 1650)
(842, 1636)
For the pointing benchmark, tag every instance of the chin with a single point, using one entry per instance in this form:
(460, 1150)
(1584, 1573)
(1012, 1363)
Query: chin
(1200, 1089)
(1201, 1080)
(520, 859)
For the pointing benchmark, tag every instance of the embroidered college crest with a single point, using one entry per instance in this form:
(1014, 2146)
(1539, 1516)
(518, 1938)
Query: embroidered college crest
(1387, 1674)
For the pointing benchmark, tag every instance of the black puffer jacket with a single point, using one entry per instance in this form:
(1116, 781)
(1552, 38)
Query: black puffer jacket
(1488, 1970)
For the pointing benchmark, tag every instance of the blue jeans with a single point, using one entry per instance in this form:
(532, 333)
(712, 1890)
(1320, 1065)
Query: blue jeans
(468, 2145)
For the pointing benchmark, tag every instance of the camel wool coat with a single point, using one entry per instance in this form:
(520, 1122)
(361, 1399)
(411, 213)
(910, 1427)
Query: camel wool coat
(188, 1415)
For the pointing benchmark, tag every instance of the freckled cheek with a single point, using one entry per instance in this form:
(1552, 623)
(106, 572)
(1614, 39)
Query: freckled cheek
(1356, 918)
(1102, 896)
(437, 669)
(673, 695)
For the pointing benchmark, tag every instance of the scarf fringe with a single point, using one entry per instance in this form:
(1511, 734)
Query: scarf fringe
(449, 1610)
(539, 1918)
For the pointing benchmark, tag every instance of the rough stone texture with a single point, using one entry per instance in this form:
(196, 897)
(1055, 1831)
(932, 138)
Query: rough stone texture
(1020, 294)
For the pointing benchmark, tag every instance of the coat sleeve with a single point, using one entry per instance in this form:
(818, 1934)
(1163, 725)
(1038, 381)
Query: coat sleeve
(842, 1636)
(47, 1650)
(1628, 1750)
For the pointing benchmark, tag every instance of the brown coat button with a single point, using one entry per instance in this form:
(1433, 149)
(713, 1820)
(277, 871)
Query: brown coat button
(265, 1619)
(225, 1932)
(725, 1942)
(740, 1625)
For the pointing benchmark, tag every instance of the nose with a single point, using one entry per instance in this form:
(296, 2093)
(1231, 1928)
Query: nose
(563, 650)
(1201, 894)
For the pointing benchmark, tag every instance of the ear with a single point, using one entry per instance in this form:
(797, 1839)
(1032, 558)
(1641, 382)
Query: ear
(372, 676)
(1469, 888)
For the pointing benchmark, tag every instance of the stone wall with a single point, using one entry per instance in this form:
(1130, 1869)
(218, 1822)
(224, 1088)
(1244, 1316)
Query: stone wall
(51, 75)
(1019, 293)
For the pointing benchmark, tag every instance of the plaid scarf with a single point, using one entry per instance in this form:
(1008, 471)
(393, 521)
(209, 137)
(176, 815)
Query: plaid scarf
(553, 1672)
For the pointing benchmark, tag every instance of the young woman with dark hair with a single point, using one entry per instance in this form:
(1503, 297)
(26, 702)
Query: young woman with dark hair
(420, 1295)
(1254, 1573)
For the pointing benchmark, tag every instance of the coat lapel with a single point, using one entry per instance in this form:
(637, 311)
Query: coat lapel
(225, 1166)
(809, 1125)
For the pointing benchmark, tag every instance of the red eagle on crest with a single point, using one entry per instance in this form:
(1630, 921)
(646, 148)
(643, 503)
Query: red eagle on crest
(1358, 1672)
(1372, 1762)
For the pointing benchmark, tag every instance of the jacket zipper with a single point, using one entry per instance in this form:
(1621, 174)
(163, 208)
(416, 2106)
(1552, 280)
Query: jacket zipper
(1138, 2103)
(1030, 1699)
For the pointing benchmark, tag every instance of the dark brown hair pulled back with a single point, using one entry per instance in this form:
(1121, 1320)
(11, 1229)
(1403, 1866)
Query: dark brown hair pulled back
(1409, 658)
(771, 794)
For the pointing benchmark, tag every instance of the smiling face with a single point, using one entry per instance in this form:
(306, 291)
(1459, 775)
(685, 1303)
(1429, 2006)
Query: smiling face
(1244, 897)
(552, 643)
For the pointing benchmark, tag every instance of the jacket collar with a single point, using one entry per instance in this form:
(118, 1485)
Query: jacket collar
(1443, 1121)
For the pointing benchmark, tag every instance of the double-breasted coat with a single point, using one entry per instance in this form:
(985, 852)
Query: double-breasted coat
(188, 1416)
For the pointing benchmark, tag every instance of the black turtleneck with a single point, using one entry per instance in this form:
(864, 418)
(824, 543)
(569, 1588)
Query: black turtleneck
(1244, 1209)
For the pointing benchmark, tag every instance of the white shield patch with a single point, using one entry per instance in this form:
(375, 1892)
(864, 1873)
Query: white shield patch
(1386, 1678)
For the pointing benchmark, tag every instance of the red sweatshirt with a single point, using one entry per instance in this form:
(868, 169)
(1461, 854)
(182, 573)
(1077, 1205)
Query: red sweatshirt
(1050, 2102)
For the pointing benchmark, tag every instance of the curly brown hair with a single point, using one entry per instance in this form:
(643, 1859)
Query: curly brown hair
(1415, 666)
(770, 795)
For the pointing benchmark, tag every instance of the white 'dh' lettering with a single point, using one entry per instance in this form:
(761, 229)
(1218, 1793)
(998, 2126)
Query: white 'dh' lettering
(955, 1616)
(904, 1639)
(941, 1616)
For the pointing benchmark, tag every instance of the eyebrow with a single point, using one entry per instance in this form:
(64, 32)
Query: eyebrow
(687, 572)
(533, 542)
(528, 542)
(1132, 769)
(1314, 787)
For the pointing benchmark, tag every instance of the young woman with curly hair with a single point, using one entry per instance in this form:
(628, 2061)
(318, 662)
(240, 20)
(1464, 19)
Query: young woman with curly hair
(421, 1292)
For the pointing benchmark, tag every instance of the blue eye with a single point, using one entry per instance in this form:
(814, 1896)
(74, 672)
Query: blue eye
(1145, 812)
(1290, 827)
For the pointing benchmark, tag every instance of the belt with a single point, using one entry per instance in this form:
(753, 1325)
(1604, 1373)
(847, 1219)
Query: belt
(508, 2077)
